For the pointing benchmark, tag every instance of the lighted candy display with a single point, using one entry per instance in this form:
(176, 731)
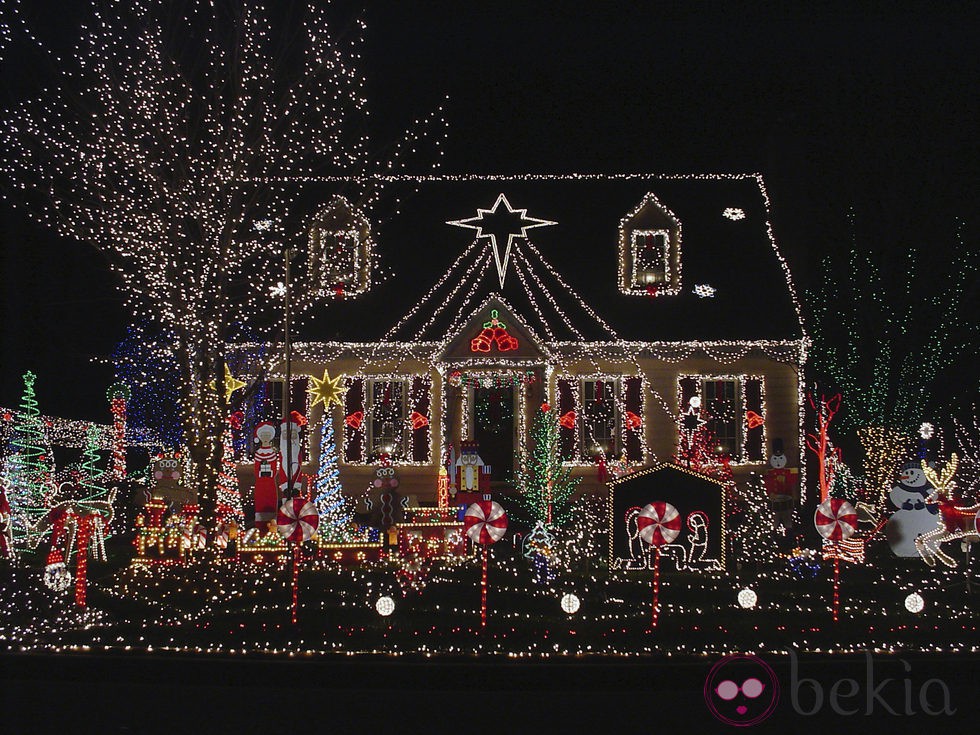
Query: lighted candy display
(836, 520)
(297, 520)
(485, 523)
(659, 524)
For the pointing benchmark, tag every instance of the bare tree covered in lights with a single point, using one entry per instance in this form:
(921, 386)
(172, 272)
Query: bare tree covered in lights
(161, 144)
(887, 329)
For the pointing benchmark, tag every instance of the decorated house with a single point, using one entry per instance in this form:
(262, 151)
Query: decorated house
(642, 309)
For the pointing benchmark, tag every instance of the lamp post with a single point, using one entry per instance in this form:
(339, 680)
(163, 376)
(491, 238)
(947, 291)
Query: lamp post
(286, 407)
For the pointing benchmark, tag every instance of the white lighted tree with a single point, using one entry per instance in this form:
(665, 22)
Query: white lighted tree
(164, 143)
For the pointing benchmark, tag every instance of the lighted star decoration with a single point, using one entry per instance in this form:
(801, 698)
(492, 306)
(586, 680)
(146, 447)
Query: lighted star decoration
(704, 291)
(926, 430)
(733, 213)
(325, 390)
(231, 384)
(495, 223)
(691, 418)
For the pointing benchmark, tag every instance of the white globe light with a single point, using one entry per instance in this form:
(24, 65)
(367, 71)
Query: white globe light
(747, 598)
(57, 577)
(385, 606)
(914, 603)
(570, 603)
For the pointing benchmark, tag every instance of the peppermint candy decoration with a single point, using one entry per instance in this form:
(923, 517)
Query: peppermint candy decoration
(835, 519)
(485, 522)
(297, 520)
(659, 523)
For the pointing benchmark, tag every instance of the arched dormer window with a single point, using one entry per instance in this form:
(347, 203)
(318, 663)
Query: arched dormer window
(650, 250)
(340, 249)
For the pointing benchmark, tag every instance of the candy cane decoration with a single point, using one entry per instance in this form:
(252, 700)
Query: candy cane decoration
(118, 395)
(485, 523)
(297, 521)
(836, 520)
(658, 524)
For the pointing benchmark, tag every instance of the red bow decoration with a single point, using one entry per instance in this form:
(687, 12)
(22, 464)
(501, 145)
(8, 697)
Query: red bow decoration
(568, 420)
(753, 419)
(545, 407)
(236, 419)
(418, 420)
(354, 420)
(633, 421)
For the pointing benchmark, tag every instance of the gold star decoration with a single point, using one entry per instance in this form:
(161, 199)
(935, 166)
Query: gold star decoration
(325, 390)
(231, 384)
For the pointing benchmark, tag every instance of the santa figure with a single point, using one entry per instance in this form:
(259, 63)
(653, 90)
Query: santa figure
(267, 469)
(290, 446)
(781, 486)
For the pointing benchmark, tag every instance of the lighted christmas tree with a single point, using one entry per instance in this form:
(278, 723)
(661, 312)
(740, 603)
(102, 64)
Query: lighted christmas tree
(28, 470)
(229, 498)
(336, 509)
(544, 482)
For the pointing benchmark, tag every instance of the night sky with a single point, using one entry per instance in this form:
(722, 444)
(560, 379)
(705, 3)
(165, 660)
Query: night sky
(873, 110)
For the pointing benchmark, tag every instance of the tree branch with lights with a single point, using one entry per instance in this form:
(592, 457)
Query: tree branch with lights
(162, 148)
(884, 331)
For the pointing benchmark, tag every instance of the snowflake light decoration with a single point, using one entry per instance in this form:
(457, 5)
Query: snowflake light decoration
(927, 430)
(704, 291)
(734, 213)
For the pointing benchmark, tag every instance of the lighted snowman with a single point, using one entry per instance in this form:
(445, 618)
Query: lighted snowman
(913, 516)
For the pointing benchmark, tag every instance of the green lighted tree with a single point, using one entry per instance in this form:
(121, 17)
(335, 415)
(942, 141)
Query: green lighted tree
(545, 485)
(29, 469)
(885, 331)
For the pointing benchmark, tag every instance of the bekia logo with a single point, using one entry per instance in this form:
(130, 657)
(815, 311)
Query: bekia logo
(741, 690)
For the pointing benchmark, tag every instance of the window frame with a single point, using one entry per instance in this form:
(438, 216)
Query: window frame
(616, 440)
(405, 439)
(741, 380)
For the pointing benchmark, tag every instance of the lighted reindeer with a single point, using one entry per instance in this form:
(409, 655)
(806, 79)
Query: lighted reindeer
(955, 521)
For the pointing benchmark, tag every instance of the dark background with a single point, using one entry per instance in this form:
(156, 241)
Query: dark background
(860, 106)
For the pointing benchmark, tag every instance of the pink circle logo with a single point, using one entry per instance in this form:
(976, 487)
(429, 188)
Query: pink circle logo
(741, 690)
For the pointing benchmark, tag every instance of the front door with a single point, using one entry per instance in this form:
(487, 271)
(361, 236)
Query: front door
(493, 428)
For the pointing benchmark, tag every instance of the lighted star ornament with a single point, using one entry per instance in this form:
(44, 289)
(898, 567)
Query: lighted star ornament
(231, 384)
(325, 390)
(496, 223)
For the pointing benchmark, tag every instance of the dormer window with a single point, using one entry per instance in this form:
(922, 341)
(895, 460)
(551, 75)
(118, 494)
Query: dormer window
(340, 250)
(650, 250)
